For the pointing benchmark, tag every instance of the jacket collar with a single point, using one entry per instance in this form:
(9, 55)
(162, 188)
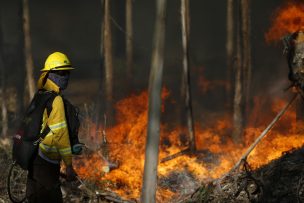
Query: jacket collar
(49, 85)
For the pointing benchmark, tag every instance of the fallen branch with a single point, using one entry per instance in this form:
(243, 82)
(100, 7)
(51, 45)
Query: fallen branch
(187, 151)
(263, 134)
(107, 195)
(173, 156)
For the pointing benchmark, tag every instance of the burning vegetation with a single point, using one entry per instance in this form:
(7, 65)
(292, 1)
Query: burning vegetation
(286, 20)
(117, 164)
(119, 167)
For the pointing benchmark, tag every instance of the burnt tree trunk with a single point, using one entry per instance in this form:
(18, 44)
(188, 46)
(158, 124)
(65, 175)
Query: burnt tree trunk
(186, 72)
(238, 89)
(229, 50)
(4, 117)
(108, 60)
(129, 39)
(28, 50)
(155, 85)
(100, 88)
(246, 49)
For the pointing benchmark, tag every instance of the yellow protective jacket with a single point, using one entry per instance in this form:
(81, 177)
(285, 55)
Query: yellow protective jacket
(56, 144)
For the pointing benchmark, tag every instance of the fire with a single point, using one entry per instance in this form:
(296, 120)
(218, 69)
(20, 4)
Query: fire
(287, 19)
(282, 138)
(216, 153)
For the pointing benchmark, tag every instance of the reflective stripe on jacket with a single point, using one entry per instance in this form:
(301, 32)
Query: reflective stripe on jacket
(56, 144)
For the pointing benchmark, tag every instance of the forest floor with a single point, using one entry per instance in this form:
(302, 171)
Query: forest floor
(282, 180)
(73, 192)
(5, 162)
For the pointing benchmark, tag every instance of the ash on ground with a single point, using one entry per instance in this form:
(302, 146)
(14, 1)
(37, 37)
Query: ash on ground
(180, 182)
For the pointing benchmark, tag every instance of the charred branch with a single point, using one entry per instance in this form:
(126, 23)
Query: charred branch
(173, 156)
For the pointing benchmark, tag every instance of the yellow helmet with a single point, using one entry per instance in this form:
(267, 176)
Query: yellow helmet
(57, 61)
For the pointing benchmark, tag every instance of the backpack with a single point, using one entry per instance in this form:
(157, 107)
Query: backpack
(28, 136)
(73, 123)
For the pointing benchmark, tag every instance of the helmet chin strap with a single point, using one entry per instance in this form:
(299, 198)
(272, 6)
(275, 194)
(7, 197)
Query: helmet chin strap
(60, 80)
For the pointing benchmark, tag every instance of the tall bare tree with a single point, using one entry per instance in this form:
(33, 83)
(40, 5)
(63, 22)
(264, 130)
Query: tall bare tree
(229, 48)
(4, 117)
(101, 84)
(108, 60)
(155, 85)
(238, 120)
(129, 37)
(186, 71)
(243, 70)
(246, 48)
(28, 49)
(237, 102)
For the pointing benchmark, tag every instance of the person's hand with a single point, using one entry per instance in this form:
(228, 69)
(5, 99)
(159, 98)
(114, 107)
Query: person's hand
(70, 173)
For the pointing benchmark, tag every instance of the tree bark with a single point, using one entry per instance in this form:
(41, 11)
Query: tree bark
(129, 37)
(186, 72)
(155, 85)
(238, 89)
(108, 61)
(20, 64)
(28, 50)
(101, 84)
(229, 50)
(4, 117)
(246, 61)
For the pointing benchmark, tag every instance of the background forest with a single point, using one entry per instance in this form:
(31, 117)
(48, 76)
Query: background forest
(110, 44)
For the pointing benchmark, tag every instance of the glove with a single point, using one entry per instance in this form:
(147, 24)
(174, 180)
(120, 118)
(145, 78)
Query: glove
(77, 149)
(70, 173)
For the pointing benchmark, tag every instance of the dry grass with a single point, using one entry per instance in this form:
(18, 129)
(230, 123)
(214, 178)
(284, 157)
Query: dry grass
(5, 162)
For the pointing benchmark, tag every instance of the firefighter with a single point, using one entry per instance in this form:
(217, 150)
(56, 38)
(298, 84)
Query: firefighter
(43, 183)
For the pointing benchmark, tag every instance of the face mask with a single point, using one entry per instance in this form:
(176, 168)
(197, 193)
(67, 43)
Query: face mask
(60, 80)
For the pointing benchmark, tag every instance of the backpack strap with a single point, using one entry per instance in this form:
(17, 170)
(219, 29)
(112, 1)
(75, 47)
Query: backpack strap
(49, 107)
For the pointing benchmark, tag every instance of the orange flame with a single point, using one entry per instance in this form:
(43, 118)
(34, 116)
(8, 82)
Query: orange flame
(287, 19)
(216, 153)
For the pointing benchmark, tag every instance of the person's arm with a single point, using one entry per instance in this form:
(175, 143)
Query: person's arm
(58, 125)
